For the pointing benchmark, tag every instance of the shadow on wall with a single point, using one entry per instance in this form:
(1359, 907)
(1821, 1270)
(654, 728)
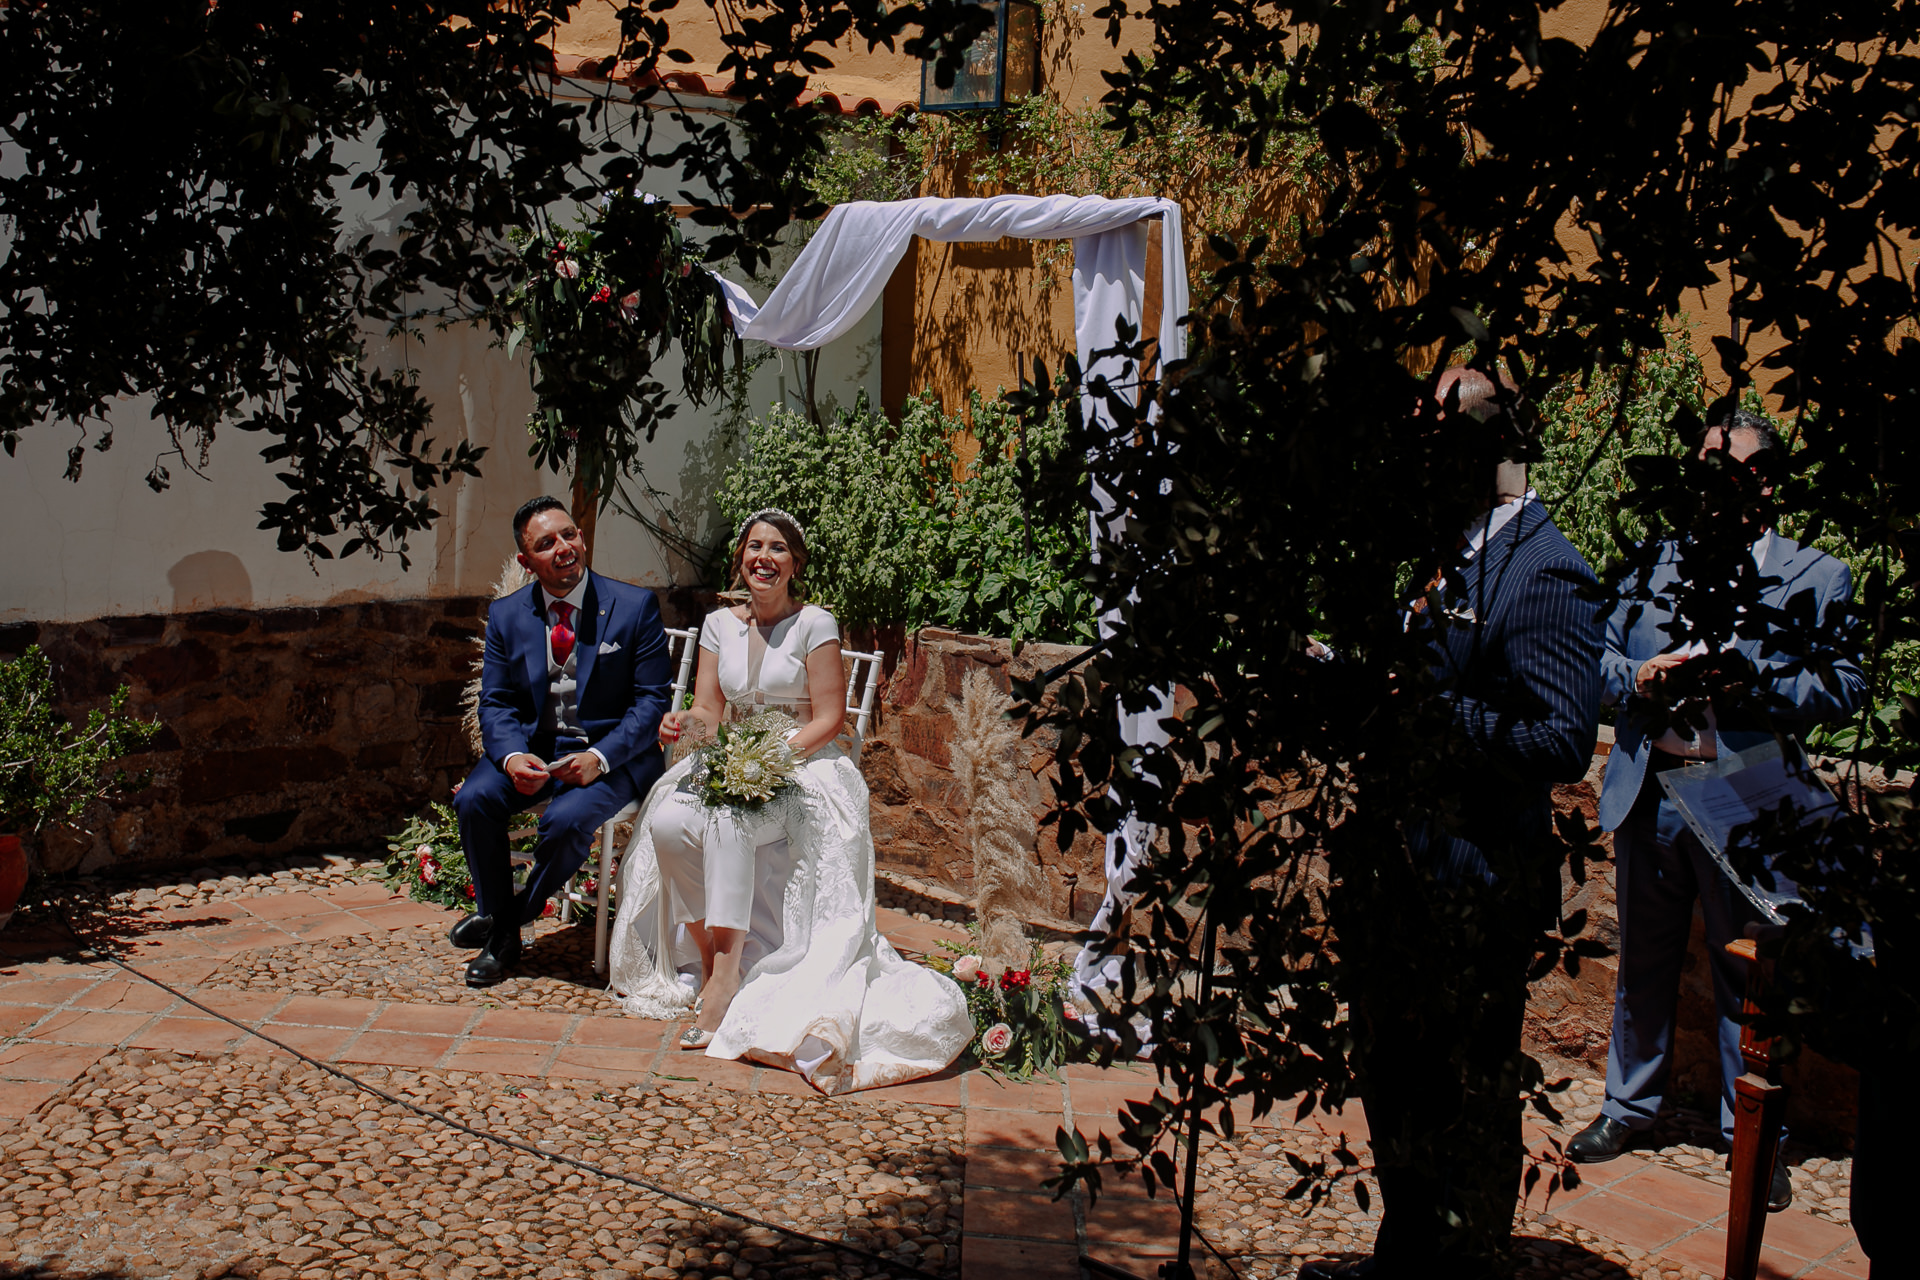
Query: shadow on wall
(210, 580)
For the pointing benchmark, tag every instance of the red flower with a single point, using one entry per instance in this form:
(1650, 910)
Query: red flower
(1016, 979)
(983, 979)
(601, 294)
(469, 891)
(548, 909)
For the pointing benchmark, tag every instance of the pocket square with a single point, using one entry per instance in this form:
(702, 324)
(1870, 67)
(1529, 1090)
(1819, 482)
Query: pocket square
(610, 646)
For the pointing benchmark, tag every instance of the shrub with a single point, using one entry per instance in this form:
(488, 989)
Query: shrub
(902, 529)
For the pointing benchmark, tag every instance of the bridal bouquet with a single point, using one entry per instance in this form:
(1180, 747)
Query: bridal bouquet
(748, 762)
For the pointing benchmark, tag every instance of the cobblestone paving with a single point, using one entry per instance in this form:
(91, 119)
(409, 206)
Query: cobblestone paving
(242, 1161)
(161, 1164)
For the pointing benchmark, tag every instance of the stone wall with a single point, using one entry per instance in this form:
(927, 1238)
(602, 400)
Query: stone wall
(919, 811)
(285, 730)
(323, 729)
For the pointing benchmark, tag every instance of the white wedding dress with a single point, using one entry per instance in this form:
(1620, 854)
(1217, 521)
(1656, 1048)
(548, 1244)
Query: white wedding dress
(828, 997)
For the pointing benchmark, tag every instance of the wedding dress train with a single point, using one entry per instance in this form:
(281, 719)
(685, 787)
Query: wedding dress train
(833, 1001)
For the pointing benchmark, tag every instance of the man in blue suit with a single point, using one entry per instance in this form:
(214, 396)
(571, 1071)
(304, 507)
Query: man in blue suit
(1512, 633)
(1801, 676)
(573, 684)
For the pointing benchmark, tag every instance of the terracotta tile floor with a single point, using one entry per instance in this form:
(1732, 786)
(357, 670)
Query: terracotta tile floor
(60, 1018)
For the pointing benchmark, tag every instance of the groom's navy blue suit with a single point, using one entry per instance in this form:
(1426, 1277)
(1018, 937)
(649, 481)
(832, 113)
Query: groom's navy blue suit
(625, 680)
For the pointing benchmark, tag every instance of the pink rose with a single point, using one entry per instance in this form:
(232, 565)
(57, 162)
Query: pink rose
(996, 1040)
(567, 268)
(966, 968)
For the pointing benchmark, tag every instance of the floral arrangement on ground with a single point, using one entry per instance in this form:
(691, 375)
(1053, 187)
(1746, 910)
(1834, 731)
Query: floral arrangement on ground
(1021, 1017)
(427, 862)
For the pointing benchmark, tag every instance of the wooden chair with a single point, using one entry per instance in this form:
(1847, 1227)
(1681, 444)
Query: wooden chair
(1760, 1104)
(860, 691)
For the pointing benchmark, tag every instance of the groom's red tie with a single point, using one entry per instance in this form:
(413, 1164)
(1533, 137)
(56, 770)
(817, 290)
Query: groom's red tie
(562, 633)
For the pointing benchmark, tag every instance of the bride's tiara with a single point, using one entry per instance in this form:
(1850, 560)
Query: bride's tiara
(762, 514)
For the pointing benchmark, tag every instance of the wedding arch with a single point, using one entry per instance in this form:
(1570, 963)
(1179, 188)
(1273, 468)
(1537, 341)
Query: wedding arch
(844, 269)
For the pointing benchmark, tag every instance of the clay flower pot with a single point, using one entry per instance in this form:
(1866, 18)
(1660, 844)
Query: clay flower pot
(13, 876)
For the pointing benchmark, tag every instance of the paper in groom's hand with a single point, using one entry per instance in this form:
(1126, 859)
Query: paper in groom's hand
(581, 769)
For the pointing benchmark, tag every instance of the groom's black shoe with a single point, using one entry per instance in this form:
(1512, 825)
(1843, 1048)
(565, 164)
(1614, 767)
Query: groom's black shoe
(1602, 1140)
(471, 932)
(497, 958)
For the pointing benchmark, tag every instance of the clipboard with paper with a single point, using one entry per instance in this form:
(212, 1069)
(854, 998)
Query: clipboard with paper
(1716, 797)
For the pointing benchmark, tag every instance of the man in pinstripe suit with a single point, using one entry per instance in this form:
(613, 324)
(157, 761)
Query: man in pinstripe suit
(1514, 638)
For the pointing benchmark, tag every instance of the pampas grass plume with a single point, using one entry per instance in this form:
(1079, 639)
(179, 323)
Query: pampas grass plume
(1009, 882)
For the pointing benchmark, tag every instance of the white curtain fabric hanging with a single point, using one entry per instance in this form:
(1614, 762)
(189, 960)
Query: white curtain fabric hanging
(845, 268)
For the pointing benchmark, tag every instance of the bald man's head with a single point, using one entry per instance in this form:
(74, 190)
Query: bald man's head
(1478, 398)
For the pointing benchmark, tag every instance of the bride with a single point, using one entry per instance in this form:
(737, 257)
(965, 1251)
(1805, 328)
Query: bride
(777, 900)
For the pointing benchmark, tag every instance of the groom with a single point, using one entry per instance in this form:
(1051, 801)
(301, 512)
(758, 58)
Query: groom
(575, 679)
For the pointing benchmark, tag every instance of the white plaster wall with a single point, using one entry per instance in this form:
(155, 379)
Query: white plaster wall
(110, 546)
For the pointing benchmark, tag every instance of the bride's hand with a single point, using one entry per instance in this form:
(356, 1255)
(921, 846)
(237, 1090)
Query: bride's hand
(676, 724)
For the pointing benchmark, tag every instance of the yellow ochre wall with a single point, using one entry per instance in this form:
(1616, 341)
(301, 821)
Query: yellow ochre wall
(970, 317)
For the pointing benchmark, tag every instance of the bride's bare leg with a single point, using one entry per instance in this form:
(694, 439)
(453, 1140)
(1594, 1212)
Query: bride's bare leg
(703, 941)
(723, 976)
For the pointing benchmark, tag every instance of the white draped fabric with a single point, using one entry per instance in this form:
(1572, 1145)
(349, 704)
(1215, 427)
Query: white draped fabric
(845, 268)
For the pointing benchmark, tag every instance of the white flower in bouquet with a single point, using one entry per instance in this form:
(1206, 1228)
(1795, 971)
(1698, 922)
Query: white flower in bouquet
(966, 968)
(996, 1040)
(749, 762)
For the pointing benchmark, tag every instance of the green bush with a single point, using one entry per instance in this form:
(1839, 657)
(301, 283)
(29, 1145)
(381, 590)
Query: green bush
(901, 529)
(50, 768)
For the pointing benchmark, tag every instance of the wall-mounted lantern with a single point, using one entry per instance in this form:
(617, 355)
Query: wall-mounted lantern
(1002, 66)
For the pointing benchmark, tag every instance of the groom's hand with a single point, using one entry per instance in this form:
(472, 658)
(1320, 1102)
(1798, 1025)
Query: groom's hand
(526, 772)
(580, 769)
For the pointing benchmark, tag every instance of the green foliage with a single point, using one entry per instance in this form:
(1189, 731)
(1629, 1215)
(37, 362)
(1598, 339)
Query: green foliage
(50, 771)
(181, 191)
(901, 529)
(1550, 205)
(427, 862)
(1595, 424)
(596, 307)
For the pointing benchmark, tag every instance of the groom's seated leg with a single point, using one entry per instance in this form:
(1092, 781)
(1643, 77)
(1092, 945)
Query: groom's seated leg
(566, 835)
(486, 803)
